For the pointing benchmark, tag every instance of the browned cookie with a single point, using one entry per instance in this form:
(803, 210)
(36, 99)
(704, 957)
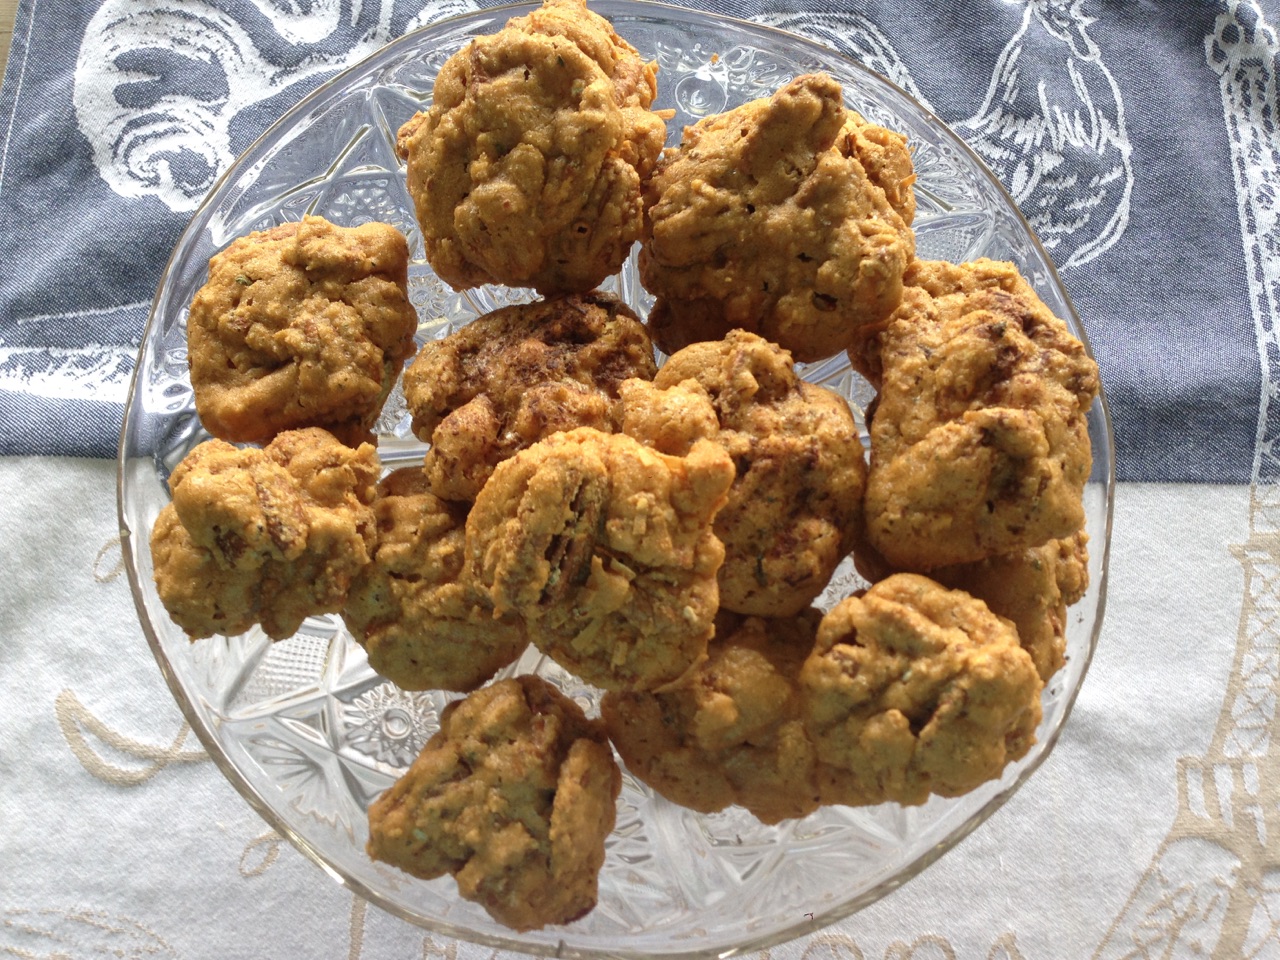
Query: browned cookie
(733, 734)
(269, 536)
(1033, 588)
(526, 170)
(788, 216)
(306, 324)
(516, 375)
(605, 547)
(514, 796)
(979, 443)
(424, 622)
(796, 503)
(914, 689)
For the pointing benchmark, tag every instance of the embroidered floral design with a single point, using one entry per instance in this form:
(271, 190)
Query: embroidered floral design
(112, 756)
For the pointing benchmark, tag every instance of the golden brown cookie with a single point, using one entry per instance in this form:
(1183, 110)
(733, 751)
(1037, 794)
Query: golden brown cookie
(526, 170)
(424, 622)
(788, 216)
(605, 547)
(306, 324)
(514, 796)
(734, 733)
(670, 419)
(796, 503)
(1033, 588)
(915, 689)
(516, 375)
(979, 443)
(269, 536)
(635, 82)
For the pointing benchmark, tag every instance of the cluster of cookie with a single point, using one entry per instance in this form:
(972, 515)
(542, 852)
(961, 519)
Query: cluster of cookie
(660, 532)
(294, 342)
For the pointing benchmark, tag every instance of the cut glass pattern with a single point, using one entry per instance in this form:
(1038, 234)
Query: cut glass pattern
(310, 735)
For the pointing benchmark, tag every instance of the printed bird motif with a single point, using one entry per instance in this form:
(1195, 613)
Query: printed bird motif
(854, 35)
(1051, 125)
(1052, 128)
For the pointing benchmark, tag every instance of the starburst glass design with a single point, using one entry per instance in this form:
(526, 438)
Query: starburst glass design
(388, 724)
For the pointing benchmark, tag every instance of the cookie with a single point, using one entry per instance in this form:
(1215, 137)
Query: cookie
(304, 325)
(423, 620)
(912, 690)
(788, 216)
(268, 536)
(514, 796)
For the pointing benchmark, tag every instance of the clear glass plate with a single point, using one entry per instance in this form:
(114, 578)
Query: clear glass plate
(310, 735)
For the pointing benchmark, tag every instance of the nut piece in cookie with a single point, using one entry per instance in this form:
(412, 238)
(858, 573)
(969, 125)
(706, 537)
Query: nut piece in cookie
(733, 734)
(605, 548)
(796, 503)
(514, 796)
(979, 442)
(306, 324)
(915, 689)
(424, 622)
(1033, 588)
(269, 536)
(516, 375)
(526, 170)
(788, 216)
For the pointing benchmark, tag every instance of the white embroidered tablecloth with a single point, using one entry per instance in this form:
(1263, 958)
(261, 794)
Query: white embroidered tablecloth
(1139, 138)
(1149, 829)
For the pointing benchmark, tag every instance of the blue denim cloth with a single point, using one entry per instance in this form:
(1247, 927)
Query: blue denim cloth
(1136, 136)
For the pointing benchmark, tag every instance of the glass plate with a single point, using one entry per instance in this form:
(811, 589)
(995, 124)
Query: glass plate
(310, 735)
